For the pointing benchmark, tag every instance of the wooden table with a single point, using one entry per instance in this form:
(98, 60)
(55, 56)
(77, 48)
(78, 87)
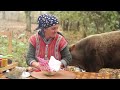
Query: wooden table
(62, 74)
(9, 66)
(79, 75)
(92, 75)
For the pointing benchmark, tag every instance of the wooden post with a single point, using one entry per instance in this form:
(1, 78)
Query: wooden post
(10, 42)
(9, 36)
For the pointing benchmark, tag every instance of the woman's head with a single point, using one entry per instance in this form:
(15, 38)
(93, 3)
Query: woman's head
(48, 24)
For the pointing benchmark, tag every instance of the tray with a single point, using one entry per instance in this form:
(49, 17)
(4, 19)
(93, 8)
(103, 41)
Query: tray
(9, 66)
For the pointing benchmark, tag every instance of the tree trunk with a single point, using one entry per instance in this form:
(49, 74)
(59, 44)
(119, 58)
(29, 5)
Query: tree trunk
(85, 29)
(67, 24)
(119, 19)
(64, 28)
(78, 25)
(3, 15)
(40, 12)
(28, 21)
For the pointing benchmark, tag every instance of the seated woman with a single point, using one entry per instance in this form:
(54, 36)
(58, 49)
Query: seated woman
(47, 42)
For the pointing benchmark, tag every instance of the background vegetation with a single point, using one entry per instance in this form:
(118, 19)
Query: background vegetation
(75, 25)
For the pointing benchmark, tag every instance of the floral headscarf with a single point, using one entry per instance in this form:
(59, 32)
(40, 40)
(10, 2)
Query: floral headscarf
(46, 20)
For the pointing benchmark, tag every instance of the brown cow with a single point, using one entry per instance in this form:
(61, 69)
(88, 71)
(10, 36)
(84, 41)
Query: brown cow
(97, 51)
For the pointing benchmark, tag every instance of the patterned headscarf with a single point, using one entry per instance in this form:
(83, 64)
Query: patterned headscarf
(46, 20)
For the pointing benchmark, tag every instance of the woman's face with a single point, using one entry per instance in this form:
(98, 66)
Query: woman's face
(51, 31)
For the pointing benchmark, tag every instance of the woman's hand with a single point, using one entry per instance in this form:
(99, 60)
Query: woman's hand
(42, 66)
(35, 66)
(62, 66)
(31, 69)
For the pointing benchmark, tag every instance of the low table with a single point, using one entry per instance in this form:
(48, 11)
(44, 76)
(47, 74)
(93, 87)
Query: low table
(62, 74)
(9, 66)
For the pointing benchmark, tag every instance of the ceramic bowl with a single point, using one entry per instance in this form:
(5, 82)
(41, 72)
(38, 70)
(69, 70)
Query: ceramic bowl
(49, 73)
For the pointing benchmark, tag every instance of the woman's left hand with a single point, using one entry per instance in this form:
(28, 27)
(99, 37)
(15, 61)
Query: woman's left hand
(61, 66)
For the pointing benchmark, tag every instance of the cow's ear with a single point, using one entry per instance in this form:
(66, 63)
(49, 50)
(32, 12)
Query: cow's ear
(72, 47)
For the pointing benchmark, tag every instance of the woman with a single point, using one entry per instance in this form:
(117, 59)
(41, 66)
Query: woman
(47, 42)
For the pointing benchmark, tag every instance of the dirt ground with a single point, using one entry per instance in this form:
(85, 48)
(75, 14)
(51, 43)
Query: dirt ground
(19, 27)
(14, 25)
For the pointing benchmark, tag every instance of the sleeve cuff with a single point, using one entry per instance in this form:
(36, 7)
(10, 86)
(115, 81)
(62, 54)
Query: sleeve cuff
(64, 63)
(31, 62)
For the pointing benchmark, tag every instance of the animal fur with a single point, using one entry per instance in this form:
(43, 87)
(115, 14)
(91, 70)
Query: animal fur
(97, 51)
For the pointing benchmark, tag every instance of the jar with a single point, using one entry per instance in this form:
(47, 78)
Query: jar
(4, 62)
(0, 63)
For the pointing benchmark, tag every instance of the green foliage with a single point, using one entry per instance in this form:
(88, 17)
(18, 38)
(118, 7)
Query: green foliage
(3, 45)
(19, 50)
(72, 36)
(92, 21)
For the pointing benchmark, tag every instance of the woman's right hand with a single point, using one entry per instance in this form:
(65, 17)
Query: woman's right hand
(41, 66)
(35, 64)
(31, 69)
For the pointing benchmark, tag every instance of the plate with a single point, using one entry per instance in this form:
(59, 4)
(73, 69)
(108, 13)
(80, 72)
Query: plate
(62, 74)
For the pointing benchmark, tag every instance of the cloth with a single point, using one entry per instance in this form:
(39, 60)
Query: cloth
(51, 65)
(43, 64)
(46, 20)
(54, 64)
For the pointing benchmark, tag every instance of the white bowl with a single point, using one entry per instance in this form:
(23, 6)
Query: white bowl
(25, 74)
